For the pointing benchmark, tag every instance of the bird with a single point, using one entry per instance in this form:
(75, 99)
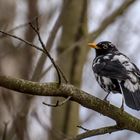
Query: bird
(115, 73)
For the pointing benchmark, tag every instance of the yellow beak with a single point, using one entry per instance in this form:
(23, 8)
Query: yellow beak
(93, 45)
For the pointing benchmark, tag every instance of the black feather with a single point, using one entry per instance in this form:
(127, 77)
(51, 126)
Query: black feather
(111, 69)
(132, 99)
(116, 73)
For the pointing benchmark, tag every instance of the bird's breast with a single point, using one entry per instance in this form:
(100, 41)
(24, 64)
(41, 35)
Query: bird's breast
(107, 84)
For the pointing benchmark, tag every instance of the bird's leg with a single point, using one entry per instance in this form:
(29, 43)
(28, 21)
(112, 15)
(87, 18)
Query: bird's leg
(105, 99)
(122, 106)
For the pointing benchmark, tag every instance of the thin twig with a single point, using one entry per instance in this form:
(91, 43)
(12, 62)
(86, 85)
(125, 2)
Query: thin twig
(110, 19)
(85, 129)
(46, 51)
(25, 41)
(78, 43)
(20, 26)
(95, 132)
(34, 46)
(37, 75)
(58, 103)
(58, 70)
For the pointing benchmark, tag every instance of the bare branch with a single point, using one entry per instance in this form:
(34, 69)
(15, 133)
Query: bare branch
(61, 56)
(58, 69)
(37, 74)
(123, 119)
(58, 103)
(20, 26)
(20, 39)
(110, 19)
(96, 132)
(85, 129)
(44, 50)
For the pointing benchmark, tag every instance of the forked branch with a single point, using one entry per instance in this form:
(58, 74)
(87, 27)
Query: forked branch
(122, 119)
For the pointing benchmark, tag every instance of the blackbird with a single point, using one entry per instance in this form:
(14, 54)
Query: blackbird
(115, 73)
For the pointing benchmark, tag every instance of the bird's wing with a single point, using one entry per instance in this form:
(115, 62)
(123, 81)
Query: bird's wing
(136, 71)
(111, 69)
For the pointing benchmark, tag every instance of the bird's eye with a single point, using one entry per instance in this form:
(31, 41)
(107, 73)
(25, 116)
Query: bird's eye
(105, 46)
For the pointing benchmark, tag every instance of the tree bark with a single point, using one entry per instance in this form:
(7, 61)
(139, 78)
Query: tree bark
(74, 26)
(122, 118)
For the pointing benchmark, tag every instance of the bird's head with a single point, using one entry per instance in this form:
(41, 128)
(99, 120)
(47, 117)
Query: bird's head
(103, 47)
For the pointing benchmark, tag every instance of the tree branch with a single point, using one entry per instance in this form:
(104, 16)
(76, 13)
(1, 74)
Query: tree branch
(37, 74)
(36, 29)
(95, 132)
(22, 40)
(110, 19)
(123, 119)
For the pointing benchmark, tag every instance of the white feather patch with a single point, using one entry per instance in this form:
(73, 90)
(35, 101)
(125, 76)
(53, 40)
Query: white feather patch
(120, 57)
(124, 61)
(106, 80)
(133, 77)
(129, 66)
(106, 57)
(130, 86)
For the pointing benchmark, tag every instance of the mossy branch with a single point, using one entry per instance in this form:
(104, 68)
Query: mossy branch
(123, 119)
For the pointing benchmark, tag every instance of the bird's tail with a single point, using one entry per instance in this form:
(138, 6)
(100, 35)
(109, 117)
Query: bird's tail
(132, 99)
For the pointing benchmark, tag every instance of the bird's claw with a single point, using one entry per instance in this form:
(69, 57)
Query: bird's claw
(122, 107)
(105, 99)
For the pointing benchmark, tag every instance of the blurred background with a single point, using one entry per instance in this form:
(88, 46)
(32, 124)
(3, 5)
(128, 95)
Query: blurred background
(66, 26)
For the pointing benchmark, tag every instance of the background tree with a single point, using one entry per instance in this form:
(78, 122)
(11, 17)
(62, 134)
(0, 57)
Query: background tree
(65, 28)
